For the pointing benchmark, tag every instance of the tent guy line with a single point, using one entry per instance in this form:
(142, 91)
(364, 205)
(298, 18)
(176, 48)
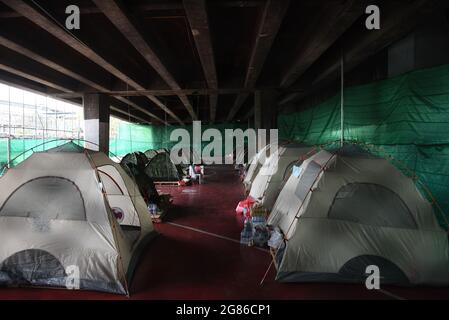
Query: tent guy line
(211, 234)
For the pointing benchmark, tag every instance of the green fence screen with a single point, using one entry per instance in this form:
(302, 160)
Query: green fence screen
(20, 149)
(126, 138)
(132, 137)
(406, 118)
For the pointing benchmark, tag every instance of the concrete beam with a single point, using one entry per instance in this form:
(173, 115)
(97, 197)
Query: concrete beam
(199, 24)
(29, 12)
(273, 14)
(115, 13)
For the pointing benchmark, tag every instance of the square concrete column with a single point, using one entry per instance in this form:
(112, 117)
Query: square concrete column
(96, 121)
(257, 110)
(265, 109)
(265, 112)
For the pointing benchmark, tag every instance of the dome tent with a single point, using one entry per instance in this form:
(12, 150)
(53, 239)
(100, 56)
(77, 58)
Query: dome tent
(150, 153)
(345, 210)
(146, 184)
(70, 206)
(241, 159)
(134, 164)
(187, 156)
(256, 162)
(161, 168)
(137, 158)
(254, 166)
(267, 184)
(238, 156)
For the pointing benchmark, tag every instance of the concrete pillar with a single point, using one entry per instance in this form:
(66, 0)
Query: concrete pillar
(265, 112)
(265, 109)
(96, 121)
(269, 109)
(257, 110)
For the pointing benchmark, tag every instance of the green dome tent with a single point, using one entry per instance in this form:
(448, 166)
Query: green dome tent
(137, 158)
(161, 168)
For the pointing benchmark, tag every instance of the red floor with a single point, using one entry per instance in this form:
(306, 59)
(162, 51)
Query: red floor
(189, 264)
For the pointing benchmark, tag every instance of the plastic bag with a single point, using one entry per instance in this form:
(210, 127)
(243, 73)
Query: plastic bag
(244, 206)
(260, 235)
(152, 209)
(276, 240)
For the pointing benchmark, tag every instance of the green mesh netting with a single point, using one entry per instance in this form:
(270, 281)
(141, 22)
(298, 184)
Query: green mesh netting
(406, 117)
(129, 138)
(132, 137)
(21, 148)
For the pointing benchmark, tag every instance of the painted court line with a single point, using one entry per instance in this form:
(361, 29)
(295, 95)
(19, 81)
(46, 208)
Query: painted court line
(391, 295)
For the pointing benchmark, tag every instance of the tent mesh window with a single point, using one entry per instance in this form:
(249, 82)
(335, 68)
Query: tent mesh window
(32, 267)
(46, 198)
(288, 170)
(371, 204)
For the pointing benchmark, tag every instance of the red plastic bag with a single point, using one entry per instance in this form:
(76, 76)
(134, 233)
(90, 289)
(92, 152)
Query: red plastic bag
(244, 206)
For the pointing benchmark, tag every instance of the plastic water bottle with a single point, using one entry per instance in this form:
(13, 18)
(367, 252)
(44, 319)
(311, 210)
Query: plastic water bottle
(152, 209)
(246, 236)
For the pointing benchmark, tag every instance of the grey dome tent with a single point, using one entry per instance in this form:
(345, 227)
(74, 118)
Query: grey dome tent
(275, 171)
(254, 166)
(69, 207)
(340, 212)
(256, 163)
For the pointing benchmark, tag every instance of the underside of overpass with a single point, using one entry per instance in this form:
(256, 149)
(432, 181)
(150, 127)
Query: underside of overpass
(178, 61)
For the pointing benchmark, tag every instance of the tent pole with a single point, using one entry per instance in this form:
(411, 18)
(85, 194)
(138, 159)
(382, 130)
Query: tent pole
(266, 273)
(9, 128)
(342, 115)
(8, 144)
